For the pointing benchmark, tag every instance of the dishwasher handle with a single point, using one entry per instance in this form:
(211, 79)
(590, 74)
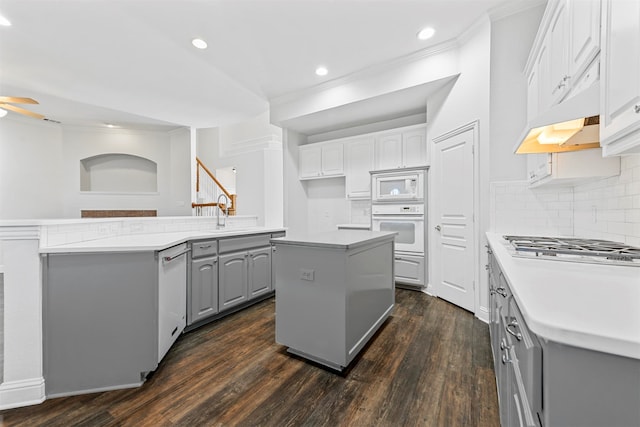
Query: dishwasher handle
(167, 259)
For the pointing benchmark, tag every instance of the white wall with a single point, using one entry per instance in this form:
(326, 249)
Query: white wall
(30, 169)
(511, 40)
(180, 181)
(40, 169)
(465, 102)
(295, 191)
(166, 150)
(254, 148)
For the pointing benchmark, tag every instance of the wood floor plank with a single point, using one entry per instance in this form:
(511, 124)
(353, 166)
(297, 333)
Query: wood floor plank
(429, 365)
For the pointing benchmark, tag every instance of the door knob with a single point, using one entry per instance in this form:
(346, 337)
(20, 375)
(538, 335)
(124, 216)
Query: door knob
(437, 227)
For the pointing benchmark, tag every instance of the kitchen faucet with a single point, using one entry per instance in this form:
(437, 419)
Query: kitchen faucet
(226, 211)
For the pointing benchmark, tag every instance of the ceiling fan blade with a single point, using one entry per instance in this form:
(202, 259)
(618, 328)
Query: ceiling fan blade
(17, 100)
(21, 111)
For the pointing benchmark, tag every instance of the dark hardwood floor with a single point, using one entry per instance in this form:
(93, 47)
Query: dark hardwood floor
(429, 365)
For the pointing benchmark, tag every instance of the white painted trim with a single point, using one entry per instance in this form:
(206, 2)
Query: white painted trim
(268, 142)
(14, 394)
(20, 232)
(483, 314)
(510, 8)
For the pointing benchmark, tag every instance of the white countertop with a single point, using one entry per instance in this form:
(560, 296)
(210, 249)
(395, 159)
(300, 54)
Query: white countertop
(584, 305)
(339, 239)
(150, 241)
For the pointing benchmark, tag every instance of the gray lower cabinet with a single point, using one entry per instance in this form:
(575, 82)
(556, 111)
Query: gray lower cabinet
(543, 383)
(244, 276)
(409, 269)
(233, 279)
(260, 278)
(204, 289)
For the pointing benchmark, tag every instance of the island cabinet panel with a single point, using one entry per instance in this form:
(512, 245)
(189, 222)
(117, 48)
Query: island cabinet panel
(331, 300)
(100, 319)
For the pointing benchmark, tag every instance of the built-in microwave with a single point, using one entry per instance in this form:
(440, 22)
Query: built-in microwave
(397, 186)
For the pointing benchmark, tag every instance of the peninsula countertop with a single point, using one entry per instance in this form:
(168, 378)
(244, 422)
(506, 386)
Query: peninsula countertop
(584, 305)
(338, 239)
(152, 241)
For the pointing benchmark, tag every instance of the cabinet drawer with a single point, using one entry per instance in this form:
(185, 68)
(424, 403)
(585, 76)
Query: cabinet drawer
(409, 269)
(242, 243)
(204, 248)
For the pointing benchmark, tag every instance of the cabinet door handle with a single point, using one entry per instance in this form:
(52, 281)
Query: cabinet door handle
(438, 228)
(636, 108)
(171, 258)
(503, 344)
(516, 334)
(505, 359)
(204, 246)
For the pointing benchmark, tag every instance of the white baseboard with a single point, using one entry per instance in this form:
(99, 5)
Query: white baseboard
(14, 394)
(483, 314)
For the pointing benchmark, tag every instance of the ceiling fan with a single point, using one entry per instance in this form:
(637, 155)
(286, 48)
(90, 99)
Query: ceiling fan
(7, 101)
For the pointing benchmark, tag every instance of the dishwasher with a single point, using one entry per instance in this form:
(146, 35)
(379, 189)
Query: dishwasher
(172, 296)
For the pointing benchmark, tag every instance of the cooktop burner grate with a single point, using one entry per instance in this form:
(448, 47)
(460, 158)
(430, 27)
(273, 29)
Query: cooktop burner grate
(586, 250)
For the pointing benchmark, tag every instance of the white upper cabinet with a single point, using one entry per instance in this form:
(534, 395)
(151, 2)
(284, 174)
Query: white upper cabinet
(563, 53)
(570, 168)
(414, 148)
(620, 87)
(359, 161)
(558, 55)
(401, 149)
(333, 159)
(389, 151)
(584, 36)
(320, 160)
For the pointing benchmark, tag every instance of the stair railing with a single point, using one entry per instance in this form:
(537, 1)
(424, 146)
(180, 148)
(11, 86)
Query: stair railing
(207, 188)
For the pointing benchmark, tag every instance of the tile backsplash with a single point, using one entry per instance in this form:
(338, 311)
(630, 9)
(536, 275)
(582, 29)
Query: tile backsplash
(606, 209)
(610, 208)
(517, 209)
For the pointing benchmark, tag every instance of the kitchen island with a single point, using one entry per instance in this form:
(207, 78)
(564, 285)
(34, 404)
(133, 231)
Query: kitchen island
(333, 292)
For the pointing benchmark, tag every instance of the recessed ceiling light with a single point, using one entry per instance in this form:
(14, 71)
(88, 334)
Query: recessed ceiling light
(322, 71)
(426, 33)
(199, 43)
(3, 112)
(4, 21)
(109, 125)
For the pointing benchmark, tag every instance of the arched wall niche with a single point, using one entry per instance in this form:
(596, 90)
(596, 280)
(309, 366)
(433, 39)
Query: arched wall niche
(118, 172)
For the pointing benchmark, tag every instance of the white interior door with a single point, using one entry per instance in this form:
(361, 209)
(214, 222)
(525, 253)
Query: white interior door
(452, 204)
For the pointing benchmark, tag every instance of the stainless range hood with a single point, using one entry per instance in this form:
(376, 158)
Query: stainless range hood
(571, 125)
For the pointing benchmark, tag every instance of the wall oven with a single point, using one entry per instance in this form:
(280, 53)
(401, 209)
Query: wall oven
(405, 219)
(398, 186)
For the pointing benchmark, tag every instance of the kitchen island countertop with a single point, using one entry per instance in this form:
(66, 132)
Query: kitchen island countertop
(339, 239)
(590, 306)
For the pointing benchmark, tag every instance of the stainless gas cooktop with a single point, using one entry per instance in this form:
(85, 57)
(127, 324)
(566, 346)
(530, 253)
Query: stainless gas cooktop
(574, 249)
